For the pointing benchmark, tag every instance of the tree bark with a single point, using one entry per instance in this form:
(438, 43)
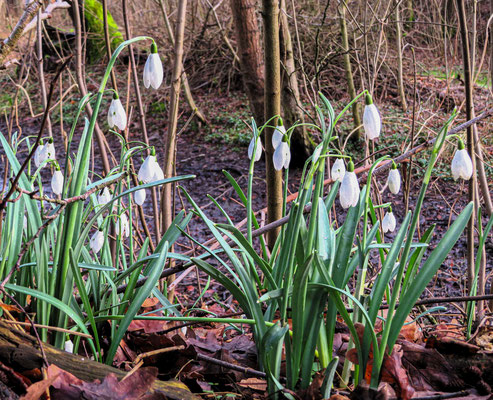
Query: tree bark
(398, 39)
(302, 145)
(272, 107)
(349, 71)
(167, 205)
(250, 54)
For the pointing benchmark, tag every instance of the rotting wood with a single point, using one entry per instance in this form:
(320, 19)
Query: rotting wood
(21, 352)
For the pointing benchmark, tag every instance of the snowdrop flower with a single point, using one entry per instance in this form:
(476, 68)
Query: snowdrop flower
(371, 119)
(394, 179)
(122, 226)
(48, 152)
(461, 163)
(258, 150)
(116, 113)
(96, 242)
(338, 170)
(153, 70)
(24, 223)
(38, 154)
(140, 196)
(282, 155)
(349, 190)
(278, 134)
(388, 222)
(150, 171)
(57, 181)
(104, 196)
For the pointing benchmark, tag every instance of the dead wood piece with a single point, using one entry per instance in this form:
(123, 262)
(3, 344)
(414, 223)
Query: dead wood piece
(21, 352)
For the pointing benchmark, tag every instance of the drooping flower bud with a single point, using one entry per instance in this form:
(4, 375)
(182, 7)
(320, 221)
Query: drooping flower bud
(394, 179)
(153, 69)
(349, 190)
(461, 163)
(371, 119)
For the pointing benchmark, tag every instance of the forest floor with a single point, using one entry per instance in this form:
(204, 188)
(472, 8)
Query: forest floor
(445, 364)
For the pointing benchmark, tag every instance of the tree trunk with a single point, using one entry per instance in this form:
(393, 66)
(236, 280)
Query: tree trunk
(349, 72)
(272, 107)
(168, 203)
(301, 143)
(250, 53)
(398, 38)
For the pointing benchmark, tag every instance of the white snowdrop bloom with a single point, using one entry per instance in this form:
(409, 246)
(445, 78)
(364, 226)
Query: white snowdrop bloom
(24, 223)
(278, 134)
(48, 152)
(258, 150)
(316, 153)
(461, 163)
(69, 346)
(394, 179)
(349, 190)
(122, 226)
(371, 119)
(38, 155)
(388, 222)
(153, 70)
(57, 182)
(140, 196)
(97, 241)
(338, 170)
(150, 171)
(104, 196)
(282, 156)
(116, 114)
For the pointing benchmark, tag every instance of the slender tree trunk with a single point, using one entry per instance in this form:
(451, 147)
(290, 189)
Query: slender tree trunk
(41, 73)
(471, 150)
(167, 205)
(186, 86)
(250, 54)
(349, 71)
(272, 107)
(398, 38)
(301, 143)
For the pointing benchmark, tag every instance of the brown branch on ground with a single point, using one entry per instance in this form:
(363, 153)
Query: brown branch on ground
(9, 44)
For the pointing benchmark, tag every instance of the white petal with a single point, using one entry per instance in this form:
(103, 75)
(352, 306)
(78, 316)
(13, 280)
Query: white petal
(388, 222)
(279, 158)
(119, 117)
(338, 170)
(37, 155)
(147, 169)
(278, 135)
(372, 122)
(462, 165)
(147, 73)
(140, 196)
(57, 182)
(287, 154)
(156, 70)
(97, 241)
(258, 150)
(158, 174)
(349, 190)
(104, 196)
(48, 152)
(111, 113)
(394, 181)
(69, 346)
(122, 227)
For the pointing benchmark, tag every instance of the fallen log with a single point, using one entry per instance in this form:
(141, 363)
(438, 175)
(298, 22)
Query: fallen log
(21, 352)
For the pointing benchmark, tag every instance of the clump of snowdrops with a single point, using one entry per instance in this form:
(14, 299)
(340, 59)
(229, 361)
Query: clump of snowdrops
(296, 290)
(81, 234)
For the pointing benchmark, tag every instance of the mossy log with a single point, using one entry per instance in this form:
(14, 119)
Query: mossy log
(21, 352)
(93, 14)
